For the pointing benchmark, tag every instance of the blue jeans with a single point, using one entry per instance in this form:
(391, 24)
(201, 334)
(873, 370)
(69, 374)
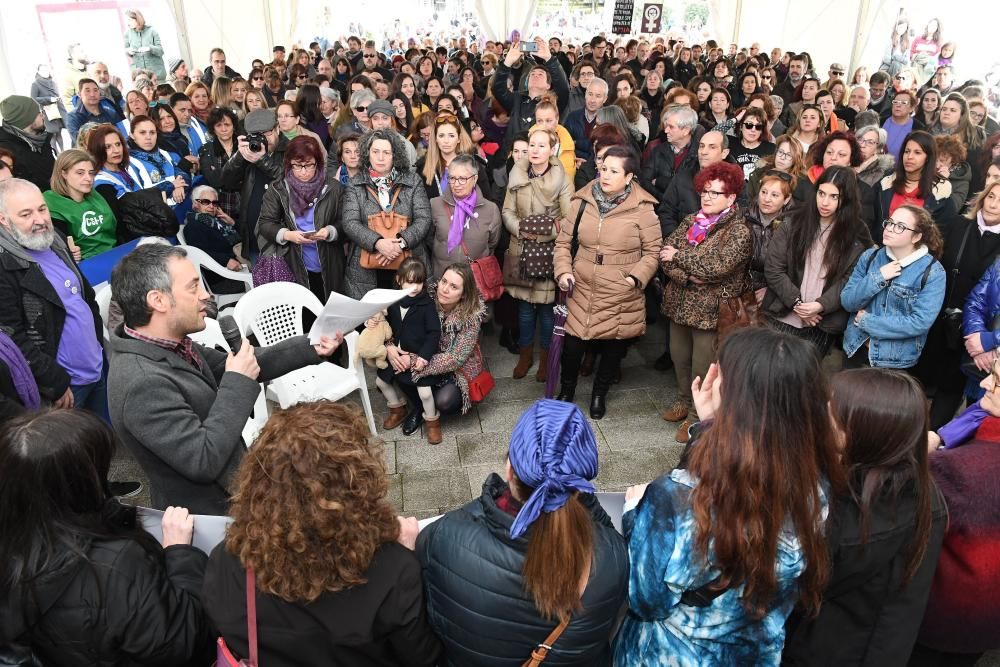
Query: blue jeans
(527, 314)
(94, 396)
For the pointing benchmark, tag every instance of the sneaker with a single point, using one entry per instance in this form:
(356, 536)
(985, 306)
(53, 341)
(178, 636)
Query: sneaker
(125, 489)
(683, 431)
(675, 412)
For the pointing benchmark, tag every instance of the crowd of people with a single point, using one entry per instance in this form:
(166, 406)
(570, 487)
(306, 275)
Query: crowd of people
(826, 256)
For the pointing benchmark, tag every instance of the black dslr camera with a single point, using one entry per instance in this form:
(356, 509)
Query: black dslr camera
(257, 142)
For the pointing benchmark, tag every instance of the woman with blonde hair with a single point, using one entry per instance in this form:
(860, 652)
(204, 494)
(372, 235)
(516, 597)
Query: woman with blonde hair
(448, 139)
(809, 126)
(221, 92)
(254, 100)
(315, 535)
(536, 204)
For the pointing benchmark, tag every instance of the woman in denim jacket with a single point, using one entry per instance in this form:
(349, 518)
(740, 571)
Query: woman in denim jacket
(895, 293)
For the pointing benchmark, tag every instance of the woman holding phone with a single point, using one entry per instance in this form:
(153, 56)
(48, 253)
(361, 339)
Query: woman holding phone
(299, 219)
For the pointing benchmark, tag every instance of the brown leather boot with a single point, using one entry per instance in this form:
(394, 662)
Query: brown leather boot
(542, 373)
(395, 417)
(525, 362)
(433, 429)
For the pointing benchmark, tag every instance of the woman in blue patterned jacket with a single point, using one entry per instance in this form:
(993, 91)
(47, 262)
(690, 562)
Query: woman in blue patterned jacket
(724, 547)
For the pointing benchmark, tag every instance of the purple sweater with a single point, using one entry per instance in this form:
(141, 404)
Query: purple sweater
(960, 430)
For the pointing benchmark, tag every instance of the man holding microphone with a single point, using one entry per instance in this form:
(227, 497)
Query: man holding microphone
(180, 408)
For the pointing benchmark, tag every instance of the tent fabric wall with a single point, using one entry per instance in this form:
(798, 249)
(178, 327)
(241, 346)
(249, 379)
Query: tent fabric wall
(499, 19)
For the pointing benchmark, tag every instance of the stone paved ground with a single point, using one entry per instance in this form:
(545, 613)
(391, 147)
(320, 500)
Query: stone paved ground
(426, 480)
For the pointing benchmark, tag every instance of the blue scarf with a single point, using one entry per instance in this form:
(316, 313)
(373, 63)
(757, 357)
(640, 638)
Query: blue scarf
(553, 451)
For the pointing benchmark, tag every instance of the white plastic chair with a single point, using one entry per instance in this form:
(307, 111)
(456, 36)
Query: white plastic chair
(211, 336)
(180, 236)
(273, 313)
(202, 260)
(102, 294)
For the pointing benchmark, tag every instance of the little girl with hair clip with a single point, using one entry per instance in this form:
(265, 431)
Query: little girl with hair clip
(416, 331)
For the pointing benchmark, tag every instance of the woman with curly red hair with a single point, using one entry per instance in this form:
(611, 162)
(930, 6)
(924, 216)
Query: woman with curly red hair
(312, 523)
(706, 259)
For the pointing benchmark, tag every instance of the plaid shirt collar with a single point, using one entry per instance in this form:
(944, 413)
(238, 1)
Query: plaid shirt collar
(184, 349)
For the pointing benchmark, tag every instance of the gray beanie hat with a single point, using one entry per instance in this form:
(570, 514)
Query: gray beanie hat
(174, 64)
(19, 111)
(381, 106)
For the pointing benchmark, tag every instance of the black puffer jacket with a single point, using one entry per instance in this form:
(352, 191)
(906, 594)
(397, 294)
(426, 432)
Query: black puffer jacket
(130, 607)
(238, 174)
(476, 600)
(658, 170)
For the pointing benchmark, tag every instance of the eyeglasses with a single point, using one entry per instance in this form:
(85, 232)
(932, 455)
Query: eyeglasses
(784, 155)
(461, 180)
(868, 142)
(896, 227)
(302, 167)
(787, 178)
(976, 115)
(901, 103)
(712, 195)
(753, 126)
(208, 202)
(361, 109)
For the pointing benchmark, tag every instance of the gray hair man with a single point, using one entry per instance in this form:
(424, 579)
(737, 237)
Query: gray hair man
(672, 150)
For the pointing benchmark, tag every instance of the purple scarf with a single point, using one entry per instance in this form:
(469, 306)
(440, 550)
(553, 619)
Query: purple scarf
(20, 372)
(302, 195)
(701, 225)
(465, 209)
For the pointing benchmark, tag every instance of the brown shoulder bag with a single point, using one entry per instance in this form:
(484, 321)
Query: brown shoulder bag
(388, 225)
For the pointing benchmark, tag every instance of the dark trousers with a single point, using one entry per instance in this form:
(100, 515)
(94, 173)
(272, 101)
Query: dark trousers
(447, 397)
(928, 657)
(611, 353)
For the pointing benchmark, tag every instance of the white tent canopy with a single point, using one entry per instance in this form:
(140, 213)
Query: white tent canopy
(852, 32)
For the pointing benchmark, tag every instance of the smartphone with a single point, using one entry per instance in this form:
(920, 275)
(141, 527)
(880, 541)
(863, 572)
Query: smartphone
(529, 47)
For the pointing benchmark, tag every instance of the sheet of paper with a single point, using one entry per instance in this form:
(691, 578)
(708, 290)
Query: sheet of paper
(613, 504)
(423, 523)
(208, 530)
(344, 314)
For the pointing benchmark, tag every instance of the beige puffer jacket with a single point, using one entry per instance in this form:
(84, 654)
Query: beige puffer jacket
(624, 243)
(548, 194)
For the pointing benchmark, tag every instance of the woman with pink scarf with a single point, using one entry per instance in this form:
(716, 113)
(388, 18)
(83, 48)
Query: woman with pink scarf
(466, 224)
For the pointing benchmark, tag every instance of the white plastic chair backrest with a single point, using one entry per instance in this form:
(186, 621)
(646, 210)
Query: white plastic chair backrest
(211, 335)
(273, 312)
(103, 298)
(180, 235)
(202, 260)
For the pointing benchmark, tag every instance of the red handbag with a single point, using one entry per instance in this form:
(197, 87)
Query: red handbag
(223, 656)
(481, 385)
(488, 275)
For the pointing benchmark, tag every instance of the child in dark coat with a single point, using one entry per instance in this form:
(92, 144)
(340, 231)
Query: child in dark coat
(416, 329)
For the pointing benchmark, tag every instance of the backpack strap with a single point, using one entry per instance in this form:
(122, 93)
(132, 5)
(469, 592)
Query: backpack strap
(574, 243)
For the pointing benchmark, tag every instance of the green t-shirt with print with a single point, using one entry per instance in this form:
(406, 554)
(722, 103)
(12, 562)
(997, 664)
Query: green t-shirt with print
(90, 222)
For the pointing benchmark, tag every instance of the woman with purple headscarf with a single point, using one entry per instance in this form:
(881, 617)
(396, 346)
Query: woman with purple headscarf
(534, 554)
(466, 224)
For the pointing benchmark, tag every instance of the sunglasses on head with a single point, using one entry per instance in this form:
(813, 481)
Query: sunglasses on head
(445, 118)
(787, 178)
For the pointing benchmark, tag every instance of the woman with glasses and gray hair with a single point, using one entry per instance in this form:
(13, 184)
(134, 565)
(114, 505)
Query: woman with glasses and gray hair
(466, 224)
(875, 162)
(360, 123)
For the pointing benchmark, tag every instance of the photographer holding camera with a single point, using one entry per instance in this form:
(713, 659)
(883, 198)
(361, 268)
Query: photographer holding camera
(257, 162)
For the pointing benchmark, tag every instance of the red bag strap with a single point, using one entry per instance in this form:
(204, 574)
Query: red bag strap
(252, 616)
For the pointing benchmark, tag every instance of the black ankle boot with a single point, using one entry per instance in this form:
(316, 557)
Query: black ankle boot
(413, 421)
(507, 341)
(598, 405)
(566, 393)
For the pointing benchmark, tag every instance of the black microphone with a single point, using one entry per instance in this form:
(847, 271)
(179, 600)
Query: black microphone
(231, 332)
